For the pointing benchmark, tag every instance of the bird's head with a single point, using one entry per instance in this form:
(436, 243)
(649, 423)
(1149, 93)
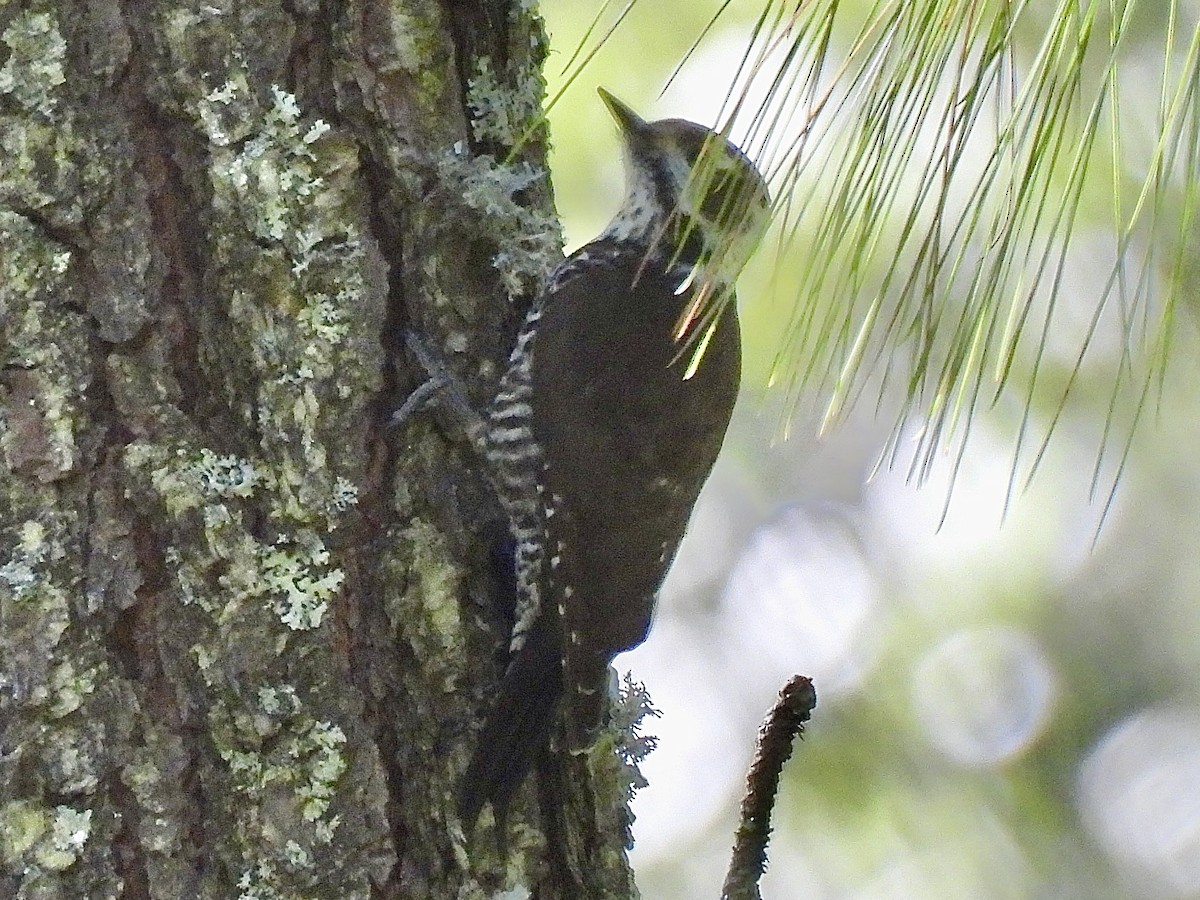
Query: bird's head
(690, 193)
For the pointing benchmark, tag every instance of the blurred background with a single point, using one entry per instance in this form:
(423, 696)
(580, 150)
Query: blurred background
(1008, 689)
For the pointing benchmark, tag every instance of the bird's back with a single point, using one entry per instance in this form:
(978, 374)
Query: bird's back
(627, 442)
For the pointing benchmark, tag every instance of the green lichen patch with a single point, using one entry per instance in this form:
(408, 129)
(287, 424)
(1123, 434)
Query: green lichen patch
(297, 347)
(198, 45)
(289, 781)
(31, 267)
(70, 685)
(20, 572)
(227, 475)
(531, 238)
(427, 614)
(36, 837)
(39, 142)
(35, 68)
(42, 348)
(271, 177)
(34, 605)
(292, 575)
(300, 581)
(506, 115)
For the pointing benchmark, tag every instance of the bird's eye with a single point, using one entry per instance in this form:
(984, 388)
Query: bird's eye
(721, 195)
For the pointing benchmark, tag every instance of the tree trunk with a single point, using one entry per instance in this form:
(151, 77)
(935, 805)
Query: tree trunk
(246, 633)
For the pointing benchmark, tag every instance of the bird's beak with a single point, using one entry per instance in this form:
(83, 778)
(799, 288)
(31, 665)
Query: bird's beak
(631, 124)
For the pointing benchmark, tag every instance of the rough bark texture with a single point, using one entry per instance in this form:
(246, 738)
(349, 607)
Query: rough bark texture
(246, 635)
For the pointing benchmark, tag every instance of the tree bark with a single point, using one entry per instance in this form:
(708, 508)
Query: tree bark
(246, 633)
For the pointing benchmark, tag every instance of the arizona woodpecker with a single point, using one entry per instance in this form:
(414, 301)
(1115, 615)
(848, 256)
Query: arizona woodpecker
(606, 424)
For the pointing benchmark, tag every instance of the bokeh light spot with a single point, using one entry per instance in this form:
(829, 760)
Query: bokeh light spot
(1139, 792)
(983, 694)
(802, 596)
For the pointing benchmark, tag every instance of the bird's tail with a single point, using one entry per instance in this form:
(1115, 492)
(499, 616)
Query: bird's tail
(516, 729)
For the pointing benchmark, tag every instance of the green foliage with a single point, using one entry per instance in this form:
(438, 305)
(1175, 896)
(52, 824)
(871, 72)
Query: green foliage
(935, 166)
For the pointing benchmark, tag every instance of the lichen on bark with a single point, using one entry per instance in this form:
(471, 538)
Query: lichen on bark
(244, 629)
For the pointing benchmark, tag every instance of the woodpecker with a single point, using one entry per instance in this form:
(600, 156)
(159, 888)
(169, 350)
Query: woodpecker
(605, 426)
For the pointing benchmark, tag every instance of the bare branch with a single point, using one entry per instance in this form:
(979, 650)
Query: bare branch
(785, 721)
